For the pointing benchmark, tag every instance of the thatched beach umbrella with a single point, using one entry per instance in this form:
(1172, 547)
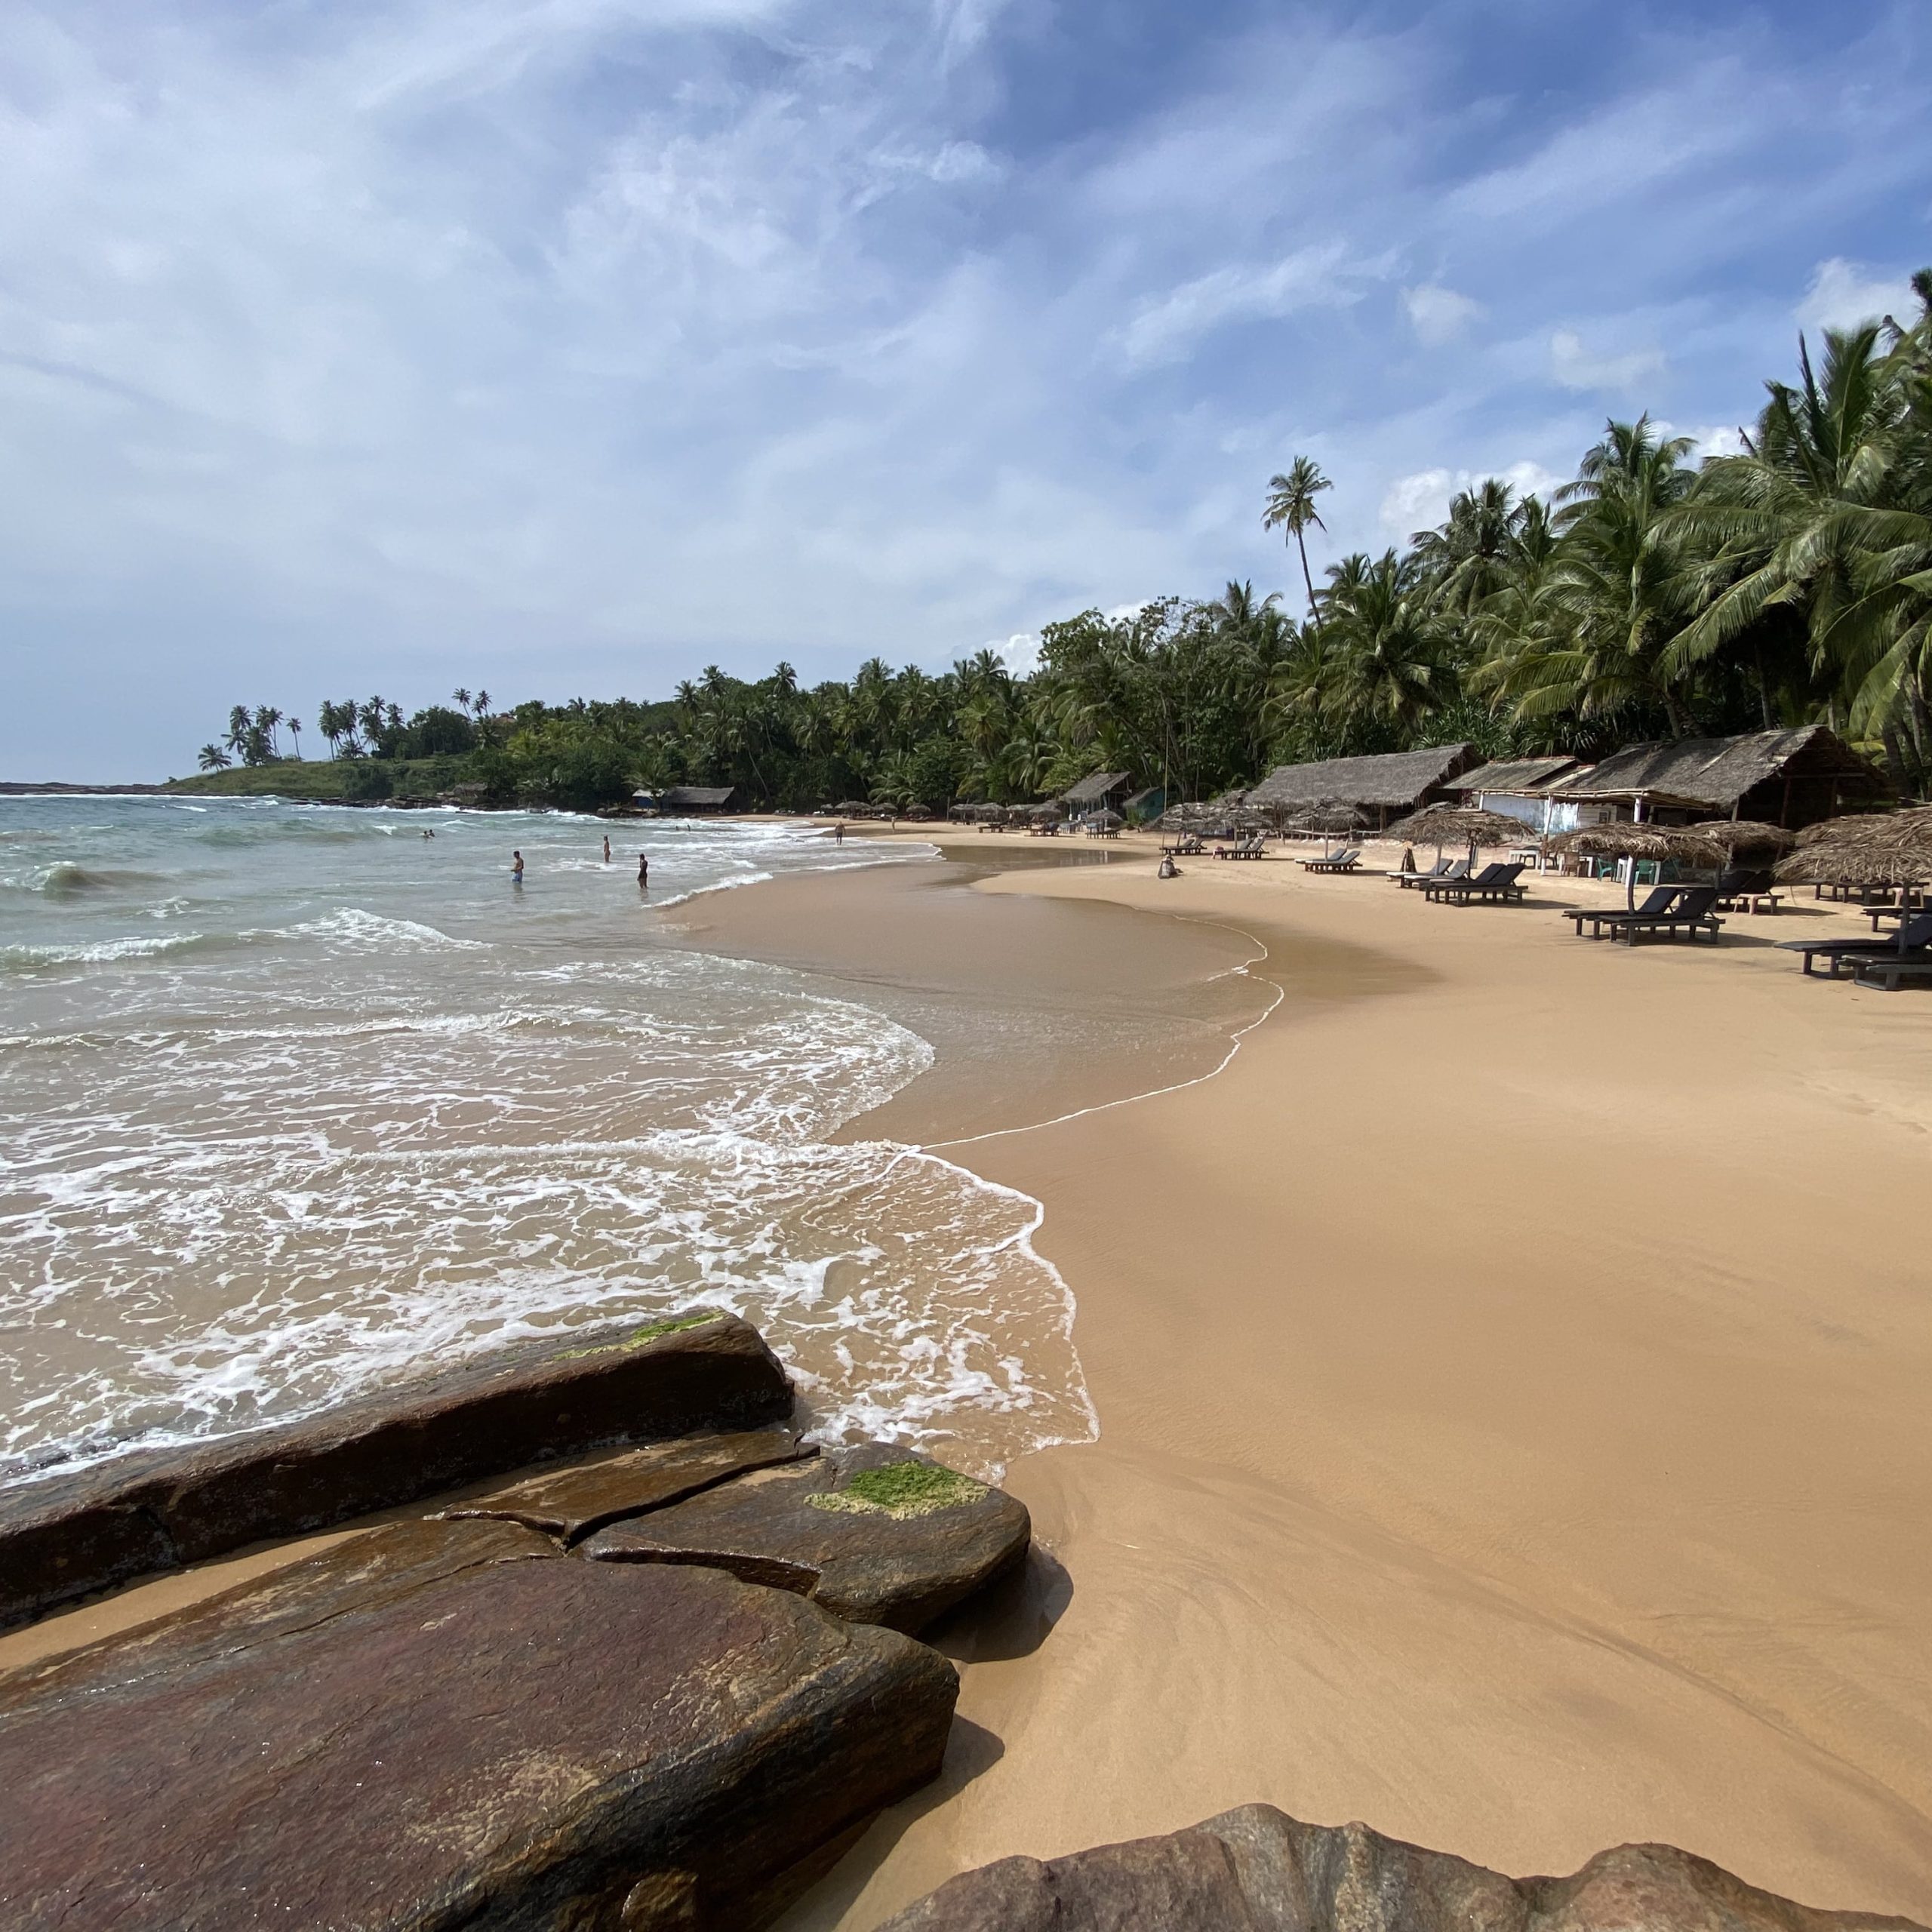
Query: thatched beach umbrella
(1623, 838)
(1746, 835)
(1848, 830)
(1893, 850)
(1460, 825)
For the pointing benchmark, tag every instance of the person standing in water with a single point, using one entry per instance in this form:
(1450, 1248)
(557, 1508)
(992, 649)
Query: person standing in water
(516, 867)
(607, 848)
(644, 871)
(839, 833)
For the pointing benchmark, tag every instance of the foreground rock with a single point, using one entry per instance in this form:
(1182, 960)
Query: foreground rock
(64, 1536)
(1257, 1870)
(872, 1533)
(571, 1503)
(446, 1723)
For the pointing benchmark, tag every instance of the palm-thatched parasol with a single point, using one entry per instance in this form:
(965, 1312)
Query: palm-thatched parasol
(1105, 821)
(1895, 849)
(1852, 826)
(1624, 838)
(1460, 825)
(1746, 834)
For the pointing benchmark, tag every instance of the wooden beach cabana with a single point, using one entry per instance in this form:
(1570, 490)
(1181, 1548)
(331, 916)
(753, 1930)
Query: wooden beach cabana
(1100, 791)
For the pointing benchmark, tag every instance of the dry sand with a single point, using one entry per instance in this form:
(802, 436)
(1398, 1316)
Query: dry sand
(1512, 1373)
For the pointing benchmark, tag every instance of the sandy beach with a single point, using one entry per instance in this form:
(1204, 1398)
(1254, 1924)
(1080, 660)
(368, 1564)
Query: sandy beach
(1510, 1371)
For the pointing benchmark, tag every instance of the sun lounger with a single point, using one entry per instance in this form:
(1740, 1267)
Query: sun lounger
(1662, 899)
(1495, 884)
(1690, 915)
(1250, 847)
(1442, 869)
(1913, 936)
(1742, 889)
(1890, 974)
(1336, 862)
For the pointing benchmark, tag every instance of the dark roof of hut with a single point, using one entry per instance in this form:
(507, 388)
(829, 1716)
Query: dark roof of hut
(1393, 779)
(674, 795)
(1512, 776)
(1717, 773)
(1091, 791)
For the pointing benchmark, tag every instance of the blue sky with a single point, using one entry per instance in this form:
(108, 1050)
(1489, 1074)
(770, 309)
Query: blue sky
(565, 346)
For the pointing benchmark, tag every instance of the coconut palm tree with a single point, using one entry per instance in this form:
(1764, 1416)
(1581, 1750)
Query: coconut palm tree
(1291, 505)
(214, 759)
(1391, 641)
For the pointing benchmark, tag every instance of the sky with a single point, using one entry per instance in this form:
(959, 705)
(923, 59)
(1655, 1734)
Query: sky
(565, 347)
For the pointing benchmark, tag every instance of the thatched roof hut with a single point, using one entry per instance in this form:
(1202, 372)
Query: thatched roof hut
(695, 797)
(1514, 778)
(1788, 778)
(1100, 788)
(1383, 787)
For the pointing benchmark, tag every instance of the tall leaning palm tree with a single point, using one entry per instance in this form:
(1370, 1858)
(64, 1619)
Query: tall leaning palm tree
(1291, 506)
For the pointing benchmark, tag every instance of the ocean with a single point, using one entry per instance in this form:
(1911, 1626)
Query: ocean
(295, 1102)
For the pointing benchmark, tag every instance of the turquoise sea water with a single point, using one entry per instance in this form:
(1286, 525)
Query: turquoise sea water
(293, 1098)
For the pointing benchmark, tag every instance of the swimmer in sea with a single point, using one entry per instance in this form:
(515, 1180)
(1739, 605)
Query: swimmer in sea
(644, 871)
(516, 867)
(607, 848)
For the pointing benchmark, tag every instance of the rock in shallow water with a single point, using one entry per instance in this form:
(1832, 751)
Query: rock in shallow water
(872, 1533)
(64, 1536)
(442, 1724)
(1258, 1870)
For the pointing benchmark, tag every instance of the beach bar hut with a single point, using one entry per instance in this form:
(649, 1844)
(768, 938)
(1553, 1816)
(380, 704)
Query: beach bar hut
(1785, 778)
(1100, 791)
(1390, 785)
(691, 801)
(1519, 789)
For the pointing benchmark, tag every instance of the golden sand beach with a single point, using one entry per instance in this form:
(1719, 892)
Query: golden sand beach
(1511, 1372)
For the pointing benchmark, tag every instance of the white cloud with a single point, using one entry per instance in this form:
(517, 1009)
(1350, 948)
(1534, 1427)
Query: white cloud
(1577, 367)
(1020, 653)
(1709, 439)
(1413, 502)
(1842, 294)
(1439, 315)
(1166, 328)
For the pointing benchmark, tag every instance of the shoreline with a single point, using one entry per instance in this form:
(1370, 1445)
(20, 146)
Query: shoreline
(1505, 1392)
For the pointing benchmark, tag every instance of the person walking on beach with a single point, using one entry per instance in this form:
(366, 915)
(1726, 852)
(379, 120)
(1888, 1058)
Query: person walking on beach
(839, 833)
(516, 867)
(607, 848)
(644, 871)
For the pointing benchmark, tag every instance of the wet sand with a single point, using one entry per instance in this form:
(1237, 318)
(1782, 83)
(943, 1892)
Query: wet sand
(1510, 1371)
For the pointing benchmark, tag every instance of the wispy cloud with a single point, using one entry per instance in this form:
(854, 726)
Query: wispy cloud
(1166, 328)
(1439, 315)
(1576, 366)
(1842, 294)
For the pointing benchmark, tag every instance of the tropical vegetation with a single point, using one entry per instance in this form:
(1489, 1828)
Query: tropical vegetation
(1651, 597)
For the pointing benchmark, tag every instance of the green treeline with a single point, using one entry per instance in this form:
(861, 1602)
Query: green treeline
(1649, 598)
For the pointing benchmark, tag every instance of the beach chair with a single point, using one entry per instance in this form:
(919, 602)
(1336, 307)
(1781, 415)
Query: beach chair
(1690, 915)
(1336, 862)
(1661, 899)
(1495, 884)
(1743, 889)
(1442, 869)
(1909, 969)
(1913, 937)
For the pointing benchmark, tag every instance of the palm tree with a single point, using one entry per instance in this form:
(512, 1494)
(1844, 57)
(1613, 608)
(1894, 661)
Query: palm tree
(460, 697)
(214, 759)
(1392, 642)
(1469, 553)
(239, 725)
(1291, 505)
(295, 732)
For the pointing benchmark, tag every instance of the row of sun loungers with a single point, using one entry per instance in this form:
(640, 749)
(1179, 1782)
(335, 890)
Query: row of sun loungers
(1335, 862)
(1495, 884)
(1250, 847)
(1668, 911)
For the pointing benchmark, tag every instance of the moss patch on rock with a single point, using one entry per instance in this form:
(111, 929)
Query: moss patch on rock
(901, 1489)
(636, 1339)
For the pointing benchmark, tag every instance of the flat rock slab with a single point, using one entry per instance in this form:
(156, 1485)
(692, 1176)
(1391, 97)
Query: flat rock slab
(872, 1533)
(62, 1537)
(437, 1726)
(570, 1504)
(1258, 1870)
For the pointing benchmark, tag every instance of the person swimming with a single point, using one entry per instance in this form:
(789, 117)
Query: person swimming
(516, 867)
